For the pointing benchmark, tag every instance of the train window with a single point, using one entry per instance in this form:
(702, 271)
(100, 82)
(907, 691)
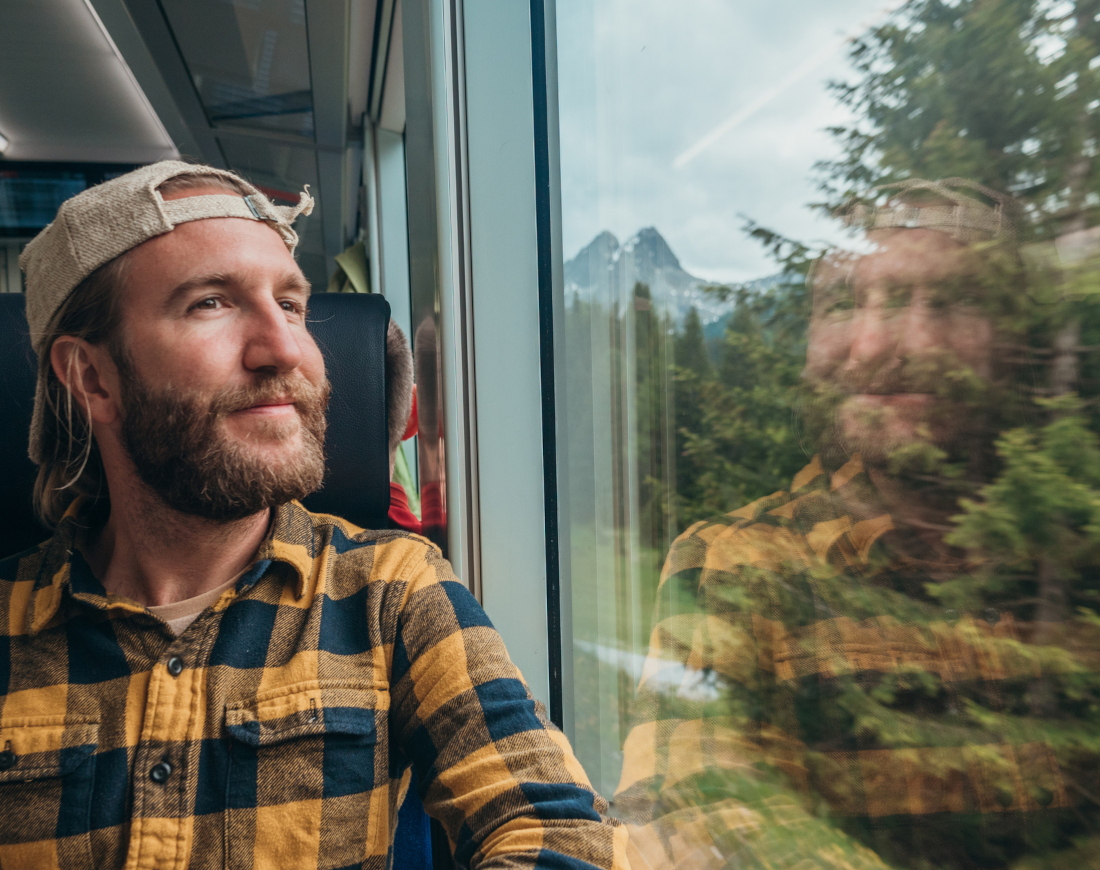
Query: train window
(831, 451)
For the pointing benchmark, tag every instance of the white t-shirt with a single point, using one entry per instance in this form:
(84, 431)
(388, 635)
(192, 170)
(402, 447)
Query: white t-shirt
(180, 614)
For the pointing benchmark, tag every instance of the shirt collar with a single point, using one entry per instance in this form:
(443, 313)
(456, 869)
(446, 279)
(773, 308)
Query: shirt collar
(63, 569)
(291, 542)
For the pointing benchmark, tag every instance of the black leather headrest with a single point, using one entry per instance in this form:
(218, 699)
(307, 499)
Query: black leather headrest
(18, 527)
(350, 329)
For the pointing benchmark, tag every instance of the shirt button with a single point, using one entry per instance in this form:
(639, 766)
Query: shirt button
(175, 666)
(7, 759)
(160, 772)
(992, 615)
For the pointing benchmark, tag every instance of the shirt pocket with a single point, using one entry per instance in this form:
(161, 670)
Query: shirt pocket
(308, 767)
(47, 772)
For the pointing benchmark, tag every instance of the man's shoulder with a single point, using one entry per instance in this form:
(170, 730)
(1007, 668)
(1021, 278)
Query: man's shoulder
(18, 574)
(789, 526)
(722, 531)
(22, 566)
(359, 556)
(345, 536)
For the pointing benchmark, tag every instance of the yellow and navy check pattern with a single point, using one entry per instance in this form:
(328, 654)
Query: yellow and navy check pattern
(806, 703)
(280, 729)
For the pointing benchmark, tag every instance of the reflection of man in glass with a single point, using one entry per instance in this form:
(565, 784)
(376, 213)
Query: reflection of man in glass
(837, 674)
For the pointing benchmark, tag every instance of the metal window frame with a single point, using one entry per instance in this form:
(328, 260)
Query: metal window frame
(485, 254)
(438, 268)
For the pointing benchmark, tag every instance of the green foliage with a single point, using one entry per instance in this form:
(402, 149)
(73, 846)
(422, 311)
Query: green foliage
(1045, 501)
(736, 424)
(1001, 92)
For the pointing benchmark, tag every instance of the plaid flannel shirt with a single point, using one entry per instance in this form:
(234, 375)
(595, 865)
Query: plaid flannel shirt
(280, 728)
(806, 703)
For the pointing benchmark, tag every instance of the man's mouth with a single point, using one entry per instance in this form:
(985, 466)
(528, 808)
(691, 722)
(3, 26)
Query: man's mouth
(271, 407)
(895, 400)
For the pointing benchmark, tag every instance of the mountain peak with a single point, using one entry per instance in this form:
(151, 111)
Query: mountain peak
(603, 245)
(651, 251)
(605, 271)
(592, 260)
(645, 257)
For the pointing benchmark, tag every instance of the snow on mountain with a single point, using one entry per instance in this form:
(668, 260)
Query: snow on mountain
(605, 270)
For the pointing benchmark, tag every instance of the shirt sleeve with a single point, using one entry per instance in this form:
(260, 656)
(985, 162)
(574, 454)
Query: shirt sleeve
(499, 777)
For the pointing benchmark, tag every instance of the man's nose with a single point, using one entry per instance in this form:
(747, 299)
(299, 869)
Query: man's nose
(874, 336)
(272, 342)
(916, 329)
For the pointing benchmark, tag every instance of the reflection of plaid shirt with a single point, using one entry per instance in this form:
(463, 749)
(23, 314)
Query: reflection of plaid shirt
(798, 670)
(279, 729)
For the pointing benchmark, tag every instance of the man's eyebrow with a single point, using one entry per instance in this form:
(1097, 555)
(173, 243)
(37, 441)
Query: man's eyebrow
(214, 279)
(230, 279)
(297, 282)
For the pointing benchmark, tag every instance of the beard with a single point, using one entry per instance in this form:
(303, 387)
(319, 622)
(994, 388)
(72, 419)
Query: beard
(901, 415)
(882, 428)
(181, 449)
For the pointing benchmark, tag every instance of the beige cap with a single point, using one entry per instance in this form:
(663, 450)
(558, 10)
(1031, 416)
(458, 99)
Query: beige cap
(107, 220)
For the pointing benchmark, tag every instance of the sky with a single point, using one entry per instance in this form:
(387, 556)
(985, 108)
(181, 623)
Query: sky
(690, 116)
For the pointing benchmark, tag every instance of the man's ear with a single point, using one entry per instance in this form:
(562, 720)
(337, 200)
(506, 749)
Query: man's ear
(89, 374)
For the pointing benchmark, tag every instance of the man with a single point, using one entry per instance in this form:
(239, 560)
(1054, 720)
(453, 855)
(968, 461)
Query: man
(837, 677)
(194, 670)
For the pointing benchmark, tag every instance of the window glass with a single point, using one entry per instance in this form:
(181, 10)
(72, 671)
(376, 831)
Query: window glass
(249, 60)
(831, 471)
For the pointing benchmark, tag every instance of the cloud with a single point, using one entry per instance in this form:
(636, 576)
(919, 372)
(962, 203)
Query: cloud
(644, 82)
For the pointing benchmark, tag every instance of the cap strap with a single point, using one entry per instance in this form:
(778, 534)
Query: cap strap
(213, 205)
(304, 207)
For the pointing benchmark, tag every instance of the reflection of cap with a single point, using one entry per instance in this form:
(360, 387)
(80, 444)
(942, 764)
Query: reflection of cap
(107, 220)
(939, 205)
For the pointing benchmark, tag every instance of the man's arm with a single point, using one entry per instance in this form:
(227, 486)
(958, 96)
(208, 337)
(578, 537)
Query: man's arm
(501, 779)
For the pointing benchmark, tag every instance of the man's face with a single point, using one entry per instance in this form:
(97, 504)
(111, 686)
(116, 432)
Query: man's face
(223, 388)
(900, 335)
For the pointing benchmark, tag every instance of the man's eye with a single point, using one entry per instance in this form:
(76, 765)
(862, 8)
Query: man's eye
(840, 303)
(899, 297)
(950, 298)
(209, 304)
(293, 307)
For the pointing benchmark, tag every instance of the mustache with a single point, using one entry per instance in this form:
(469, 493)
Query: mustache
(893, 377)
(897, 375)
(293, 388)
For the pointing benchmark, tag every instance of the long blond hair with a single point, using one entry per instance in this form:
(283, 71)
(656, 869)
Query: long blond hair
(71, 465)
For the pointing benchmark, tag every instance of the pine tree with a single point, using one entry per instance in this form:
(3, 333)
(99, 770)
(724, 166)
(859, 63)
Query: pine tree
(1001, 92)
(691, 346)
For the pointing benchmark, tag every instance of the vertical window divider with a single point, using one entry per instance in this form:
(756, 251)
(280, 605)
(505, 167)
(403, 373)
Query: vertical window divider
(463, 277)
(546, 268)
